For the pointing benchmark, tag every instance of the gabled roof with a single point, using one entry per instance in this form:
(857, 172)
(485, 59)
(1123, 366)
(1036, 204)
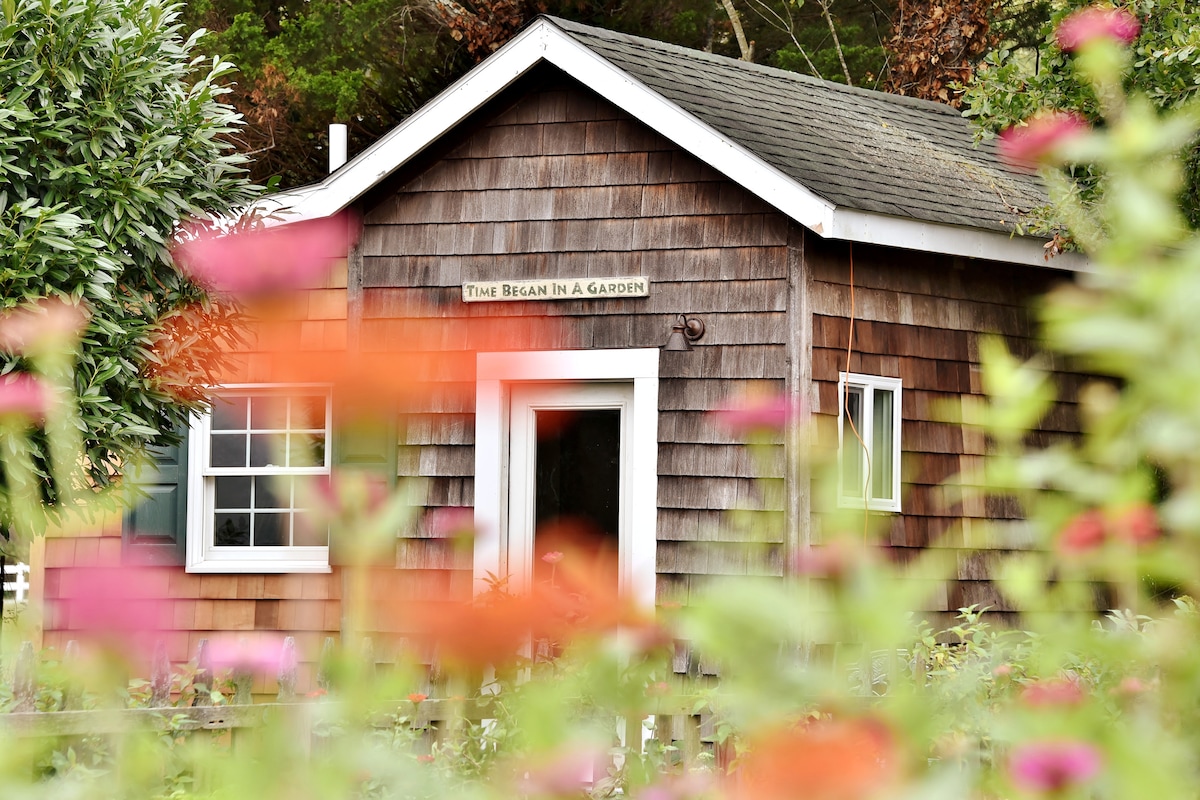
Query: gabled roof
(846, 163)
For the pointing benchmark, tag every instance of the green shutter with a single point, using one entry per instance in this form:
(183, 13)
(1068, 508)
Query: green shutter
(155, 530)
(363, 442)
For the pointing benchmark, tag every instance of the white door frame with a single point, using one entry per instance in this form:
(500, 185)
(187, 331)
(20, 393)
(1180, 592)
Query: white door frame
(496, 375)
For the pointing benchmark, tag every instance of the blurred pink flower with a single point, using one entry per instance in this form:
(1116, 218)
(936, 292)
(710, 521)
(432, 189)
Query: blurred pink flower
(119, 609)
(1053, 765)
(1138, 524)
(450, 522)
(260, 655)
(757, 413)
(1037, 140)
(833, 560)
(45, 324)
(552, 557)
(22, 394)
(1053, 692)
(417, 697)
(266, 260)
(565, 772)
(1091, 24)
(1084, 533)
(347, 494)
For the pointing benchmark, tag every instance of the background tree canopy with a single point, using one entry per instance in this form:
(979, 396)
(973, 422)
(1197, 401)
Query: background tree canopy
(370, 63)
(110, 134)
(1012, 84)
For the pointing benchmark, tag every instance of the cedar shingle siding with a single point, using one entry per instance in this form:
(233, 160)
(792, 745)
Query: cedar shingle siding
(562, 184)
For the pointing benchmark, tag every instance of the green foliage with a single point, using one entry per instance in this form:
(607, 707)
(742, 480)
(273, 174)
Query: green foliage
(1014, 82)
(110, 135)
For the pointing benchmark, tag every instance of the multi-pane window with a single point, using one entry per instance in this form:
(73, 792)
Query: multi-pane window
(869, 410)
(255, 456)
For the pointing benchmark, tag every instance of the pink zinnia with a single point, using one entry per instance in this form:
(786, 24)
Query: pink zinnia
(553, 557)
(44, 324)
(1054, 765)
(1084, 533)
(260, 655)
(121, 609)
(1091, 24)
(1139, 524)
(450, 522)
(24, 395)
(755, 413)
(1037, 140)
(267, 260)
(1053, 692)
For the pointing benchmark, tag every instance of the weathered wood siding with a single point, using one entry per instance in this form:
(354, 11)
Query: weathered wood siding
(920, 317)
(562, 184)
(192, 607)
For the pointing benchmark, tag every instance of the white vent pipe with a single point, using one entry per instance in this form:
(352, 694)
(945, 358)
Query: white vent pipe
(337, 146)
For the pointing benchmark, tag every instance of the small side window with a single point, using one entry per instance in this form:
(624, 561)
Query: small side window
(869, 442)
(251, 460)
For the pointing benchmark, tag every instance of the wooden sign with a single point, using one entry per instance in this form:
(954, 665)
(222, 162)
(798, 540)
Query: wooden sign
(555, 289)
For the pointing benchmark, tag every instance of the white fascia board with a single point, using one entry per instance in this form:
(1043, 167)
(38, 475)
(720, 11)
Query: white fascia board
(930, 237)
(689, 132)
(420, 129)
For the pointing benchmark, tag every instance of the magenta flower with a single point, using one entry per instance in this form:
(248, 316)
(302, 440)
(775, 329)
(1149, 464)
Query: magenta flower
(267, 260)
(1038, 139)
(119, 609)
(1053, 765)
(1096, 23)
(1084, 533)
(450, 522)
(758, 413)
(45, 324)
(260, 655)
(564, 772)
(1138, 524)
(24, 395)
(1053, 692)
(553, 557)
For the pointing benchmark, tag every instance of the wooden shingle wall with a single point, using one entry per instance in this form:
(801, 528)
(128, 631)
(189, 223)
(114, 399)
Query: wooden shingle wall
(190, 607)
(921, 317)
(561, 184)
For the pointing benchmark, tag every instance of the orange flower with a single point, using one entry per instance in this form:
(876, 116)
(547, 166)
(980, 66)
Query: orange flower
(583, 602)
(417, 697)
(852, 759)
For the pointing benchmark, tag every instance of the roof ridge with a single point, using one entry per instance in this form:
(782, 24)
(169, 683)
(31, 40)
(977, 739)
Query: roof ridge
(602, 33)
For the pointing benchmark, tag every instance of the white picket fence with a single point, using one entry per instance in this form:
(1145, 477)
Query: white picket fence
(16, 581)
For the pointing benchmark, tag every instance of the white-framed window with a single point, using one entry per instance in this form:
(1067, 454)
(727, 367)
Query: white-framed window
(252, 461)
(610, 389)
(869, 441)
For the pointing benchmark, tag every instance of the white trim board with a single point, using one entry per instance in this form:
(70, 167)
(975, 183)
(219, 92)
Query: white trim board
(496, 375)
(545, 41)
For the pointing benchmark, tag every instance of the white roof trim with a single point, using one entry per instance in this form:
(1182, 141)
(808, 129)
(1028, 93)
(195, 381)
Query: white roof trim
(545, 41)
(870, 228)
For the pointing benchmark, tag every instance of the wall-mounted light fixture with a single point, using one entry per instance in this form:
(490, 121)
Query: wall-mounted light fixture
(684, 331)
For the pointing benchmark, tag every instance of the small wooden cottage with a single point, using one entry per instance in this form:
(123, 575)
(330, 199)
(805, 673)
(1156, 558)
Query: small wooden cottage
(602, 194)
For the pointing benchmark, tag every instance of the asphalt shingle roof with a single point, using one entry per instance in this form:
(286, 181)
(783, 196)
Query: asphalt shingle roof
(856, 148)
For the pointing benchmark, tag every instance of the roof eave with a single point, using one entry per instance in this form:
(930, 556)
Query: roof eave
(930, 237)
(544, 41)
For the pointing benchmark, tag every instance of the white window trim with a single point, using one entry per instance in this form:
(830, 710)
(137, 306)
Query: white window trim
(496, 373)
(204, 557)
(869, 383)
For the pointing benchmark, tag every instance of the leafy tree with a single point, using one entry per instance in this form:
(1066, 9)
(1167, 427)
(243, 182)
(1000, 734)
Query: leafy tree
(305, 64)
(1014, 83)
(371, 63)
(110, 135)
